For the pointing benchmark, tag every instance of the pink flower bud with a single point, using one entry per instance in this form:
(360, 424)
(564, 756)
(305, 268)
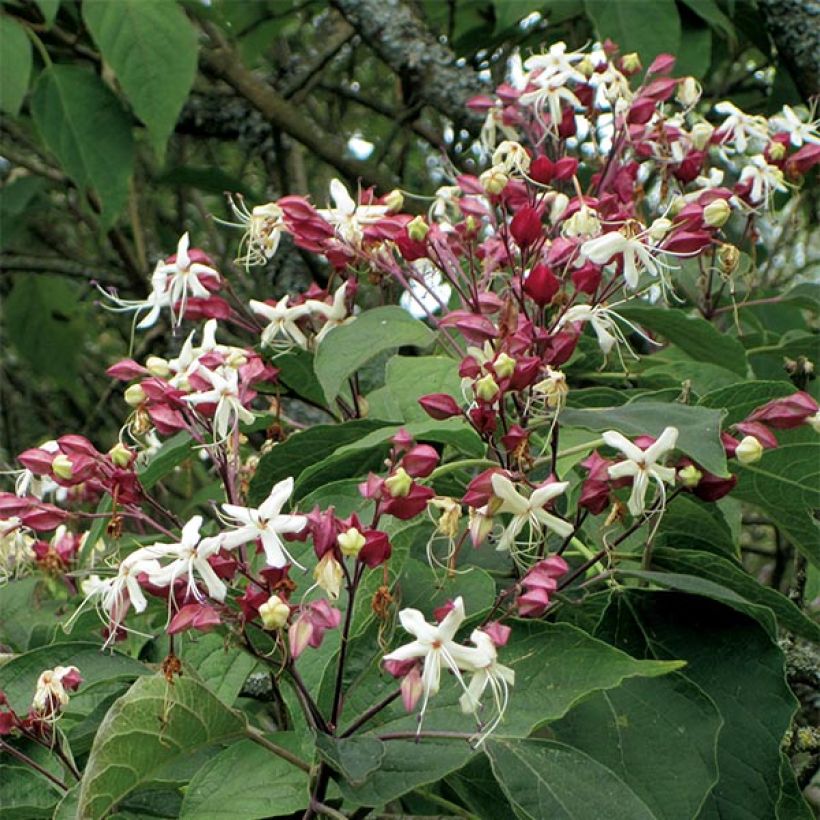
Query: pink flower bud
(713, 488)
(514, 438)
(662, 64)
(412, 688)
(201, 617)
(440, 406)
(533, 603)
(565, 168)
(587, 278)
(37, 460)
(786, 413)
(541, 284)
(499, 634)
(480, 489)
(526, 227)
(641, 111)
(759, 430)
(542, 170)
(126, 370)
(376, 550)
(420, 461)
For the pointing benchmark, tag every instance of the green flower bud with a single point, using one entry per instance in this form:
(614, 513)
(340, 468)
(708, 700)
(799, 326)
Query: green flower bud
(351, 542)
(274, 613)
(62, 467)
(134, 395)
(417, 229)
(399, 484)
(716, 214)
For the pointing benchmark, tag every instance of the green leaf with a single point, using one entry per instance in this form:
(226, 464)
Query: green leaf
(541, 779)
(154, 723)
(455, 432)
(18, 677)
(740, 399)
(710, 11)
(692, 334)
(84, 126)
(346, 348)
(735, 662)
(409, 378)
(629, 25)
(733, 577)
(302, 450)
(296, 372)
(344, 495)
(152, 48)
(49, 9)
(24, 793)
(355, 464)
(479, 791)
(696, 58)
(45, 323)
(169, 456)
(698, 427)
(246, 782)
(638, 727)
(15, 47)
(785, 484)
(223, 669)
(353, 757)
(691, 523)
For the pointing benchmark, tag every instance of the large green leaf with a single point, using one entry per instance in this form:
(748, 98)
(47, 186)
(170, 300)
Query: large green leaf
(692, 334)
(85, 127)
(629, 25)
(49, 9)
(740, 399)
(15, 47)
(346, 348)
(408, 378)
(637, 728)
(353, 464)
(154, 723)
(785, 484)
(24, 793)
(246, 782)
(296, 372)
(223, 669)
(689, 523)
(170, 455)
(738, 665)
(152, 48)
(302, 450)
(18, 677)
(730, 575)
(698, 427)
(542, 778)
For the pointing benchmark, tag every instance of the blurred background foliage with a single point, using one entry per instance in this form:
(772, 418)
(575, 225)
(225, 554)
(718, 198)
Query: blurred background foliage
(125, 122)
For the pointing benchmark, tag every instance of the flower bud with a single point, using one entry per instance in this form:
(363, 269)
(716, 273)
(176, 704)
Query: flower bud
(351, 542)
(728, 259)
(716, 214)
(701, 133)
(62, 467)
(776, 151)
(541, 285)
(399, 484)
(560, 203)
(583, 222)
(274, 613)
(504, 366)
(689, 92)
(157, 366)
(630, 63)
(542, 170)
(328, 575)
(586, 67)
(394, 200)
(494, 180)
(417, 229)
(659, 228)
(440, 406)
(526, 227)
(420, 460)
(749, 451)
(690, 476)
(134, 395)
(121, 455)
(486, 388)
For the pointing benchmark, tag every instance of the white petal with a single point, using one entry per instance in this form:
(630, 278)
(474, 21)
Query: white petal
(279, 494)
(666, 442)
(504, 489)
(620, 442)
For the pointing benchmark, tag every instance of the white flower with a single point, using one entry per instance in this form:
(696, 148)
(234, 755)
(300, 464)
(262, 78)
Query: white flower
(603, 323)
(348, 217)
(555, 61)
(425, 295)
(263, 226)
(551, 95)
(642, 465)
(50, 691)
(267, 523)
(799, 131)
(529, 511)
(282, 321)
(335, 315)
(488, 673)
(158, 298)
(741, 128)
(765, 179)
(225, 395)
(190, 556)
(435, 646)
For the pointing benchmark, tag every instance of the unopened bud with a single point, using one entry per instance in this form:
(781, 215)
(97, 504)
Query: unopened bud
(134, 395)
(399, 484)
(157, 366)
(351, 542)
(559, 204)
(274, 613)
(776, 151)
(728, 258)
(677, 205)
(659, 228)
(716, 214)
(749, 451)
(486, 388)
(504, 366)
(689, 91)
(394, 200)
(328, 575)
(690, 476)
(236, 359)
(631, 62)
(121, 455)
(586, 67)
(494, 180)
(62, 467)
(417, 229)
(701, 133)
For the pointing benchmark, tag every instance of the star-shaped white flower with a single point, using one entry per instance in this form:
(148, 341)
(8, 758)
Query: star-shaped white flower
(335, 315)
(225, 395)
(265, 522)
(347, 217)
(282, 320)
(190, 559)
(799, 131)
(488, 673)
(555, 61)
(765, 179)
(184, 277)
(642, 466)
(741, 128)
(528, 511)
